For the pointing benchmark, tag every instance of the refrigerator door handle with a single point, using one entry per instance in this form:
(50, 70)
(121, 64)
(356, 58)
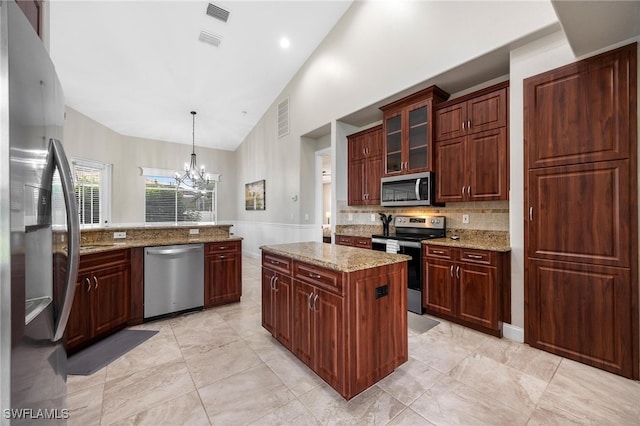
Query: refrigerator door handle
(73, 224)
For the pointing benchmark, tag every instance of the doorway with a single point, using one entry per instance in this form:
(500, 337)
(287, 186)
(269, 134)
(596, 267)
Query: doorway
(323, 192)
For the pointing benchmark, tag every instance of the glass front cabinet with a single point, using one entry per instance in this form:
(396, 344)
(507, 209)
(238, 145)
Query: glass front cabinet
(408, 132)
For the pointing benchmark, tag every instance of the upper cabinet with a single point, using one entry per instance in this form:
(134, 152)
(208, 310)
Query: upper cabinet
(471, 148)
(365, 167)
(408, 132)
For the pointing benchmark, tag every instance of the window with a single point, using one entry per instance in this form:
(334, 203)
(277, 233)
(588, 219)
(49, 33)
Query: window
(93, 191)
(167, 202)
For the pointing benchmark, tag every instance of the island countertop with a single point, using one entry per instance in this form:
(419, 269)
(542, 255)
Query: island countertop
(336, 257)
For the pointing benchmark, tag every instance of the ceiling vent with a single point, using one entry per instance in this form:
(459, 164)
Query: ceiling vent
(217, 12)
(283, 118)
(210, 38)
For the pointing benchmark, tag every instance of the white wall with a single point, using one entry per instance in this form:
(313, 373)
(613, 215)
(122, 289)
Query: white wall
(376, 50)
(86, 138)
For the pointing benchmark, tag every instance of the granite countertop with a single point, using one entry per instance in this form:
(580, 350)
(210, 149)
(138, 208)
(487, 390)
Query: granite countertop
(336, 257)
(483, 241)
(100, 247)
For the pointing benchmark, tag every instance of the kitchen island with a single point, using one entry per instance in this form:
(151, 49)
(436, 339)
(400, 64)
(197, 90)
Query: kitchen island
(341, 310)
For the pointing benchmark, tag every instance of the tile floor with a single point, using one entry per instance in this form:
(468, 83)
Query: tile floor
(220, 367)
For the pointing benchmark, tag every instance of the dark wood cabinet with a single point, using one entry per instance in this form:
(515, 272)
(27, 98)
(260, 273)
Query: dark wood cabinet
(471, 148)
(277, 294)
(365, 167)
(102, 298)
(353, 241)
(222, 273)
(408, 132)
(349, 328)
(581, 218)
(467, 286)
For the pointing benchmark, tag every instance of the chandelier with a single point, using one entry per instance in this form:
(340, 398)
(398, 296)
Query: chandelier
(193, 176)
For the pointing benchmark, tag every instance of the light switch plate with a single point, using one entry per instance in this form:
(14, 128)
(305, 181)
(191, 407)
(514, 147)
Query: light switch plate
(195, 231)
(373, 217)
(119, 235)
(350, 217)
(465, 218)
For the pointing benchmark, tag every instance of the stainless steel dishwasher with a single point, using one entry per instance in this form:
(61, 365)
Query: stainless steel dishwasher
(173, 279)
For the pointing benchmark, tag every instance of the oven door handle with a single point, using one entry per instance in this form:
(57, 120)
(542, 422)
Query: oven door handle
(379, 241)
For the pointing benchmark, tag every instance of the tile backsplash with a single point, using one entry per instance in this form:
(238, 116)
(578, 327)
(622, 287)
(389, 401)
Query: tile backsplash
(483, 215)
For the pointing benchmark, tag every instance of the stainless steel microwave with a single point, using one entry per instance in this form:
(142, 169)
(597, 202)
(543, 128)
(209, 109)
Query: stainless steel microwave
(408, 190)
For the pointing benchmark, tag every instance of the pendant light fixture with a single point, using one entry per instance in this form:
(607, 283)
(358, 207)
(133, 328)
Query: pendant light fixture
(192, 174)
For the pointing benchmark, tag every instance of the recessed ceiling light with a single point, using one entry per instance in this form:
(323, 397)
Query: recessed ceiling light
(285, 43)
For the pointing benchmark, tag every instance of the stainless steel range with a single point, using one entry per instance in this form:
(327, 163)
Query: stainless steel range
(410, 231)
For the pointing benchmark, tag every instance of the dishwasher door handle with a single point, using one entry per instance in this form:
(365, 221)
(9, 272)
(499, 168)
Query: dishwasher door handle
(174, 251)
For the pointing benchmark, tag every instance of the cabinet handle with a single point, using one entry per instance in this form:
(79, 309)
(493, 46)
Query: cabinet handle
(316, 276)
(469, 191)
(309, 301)
(474, 256)
(221, 248)
(463, 125)
(88, 284)
(274, 262)
(315, 303)
(222, 256)
(530, 213)
(271, 282)
(437, 251)
(462, 192)
(457, 272)
(275, 283)
(451, 271)
(95, 280)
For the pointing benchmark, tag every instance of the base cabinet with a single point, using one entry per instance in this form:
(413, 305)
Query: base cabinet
(353, 241)
(277, 294)
(102, 298)
(222, 273)
(349, 328)
(468, 286)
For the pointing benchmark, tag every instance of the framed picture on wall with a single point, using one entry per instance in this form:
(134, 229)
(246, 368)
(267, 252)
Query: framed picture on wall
(254, 195)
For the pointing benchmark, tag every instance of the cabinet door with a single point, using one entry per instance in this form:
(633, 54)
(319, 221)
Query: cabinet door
(486, 162)
(357, 147)
(79, 326)
(582, 312)
(439, 293)
(487, 112)
(450, 182)
(393, 144)
(449, 121)
(283, 308)
(418, 143)
(302, 345)
(268, 301)
(580, 213)
(356, 186)
(372, 176)
(477, 295)
(110, 298)
(329, 337)
(222, 278)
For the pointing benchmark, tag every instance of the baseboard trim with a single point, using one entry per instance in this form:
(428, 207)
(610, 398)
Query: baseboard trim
(512, 332)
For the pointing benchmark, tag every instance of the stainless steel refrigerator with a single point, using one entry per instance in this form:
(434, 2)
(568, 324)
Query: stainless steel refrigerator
(38, 258)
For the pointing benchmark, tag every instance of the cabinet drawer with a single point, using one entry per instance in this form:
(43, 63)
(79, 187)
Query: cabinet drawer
(107, 258)
(344, 240)
(477, 256)
(222, 247)
(316, 275)
(277, 263)
(362, 242)
(439, 252)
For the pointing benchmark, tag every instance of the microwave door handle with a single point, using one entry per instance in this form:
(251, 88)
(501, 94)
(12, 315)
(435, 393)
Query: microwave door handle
(418, 189)
(73, 224)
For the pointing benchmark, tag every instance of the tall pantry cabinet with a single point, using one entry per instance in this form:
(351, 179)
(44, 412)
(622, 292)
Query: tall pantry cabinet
(581, 230)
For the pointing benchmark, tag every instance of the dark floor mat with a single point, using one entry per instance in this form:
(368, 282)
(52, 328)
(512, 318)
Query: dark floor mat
(93, 358)
(420, 324)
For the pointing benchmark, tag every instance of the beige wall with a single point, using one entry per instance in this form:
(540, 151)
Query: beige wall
(88, 139)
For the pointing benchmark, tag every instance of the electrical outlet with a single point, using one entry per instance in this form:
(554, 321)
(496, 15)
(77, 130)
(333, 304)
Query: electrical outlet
(306, 216)
(465, 218)
(195, 231)
(373, 217)
(350, 217)
(119, 235)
